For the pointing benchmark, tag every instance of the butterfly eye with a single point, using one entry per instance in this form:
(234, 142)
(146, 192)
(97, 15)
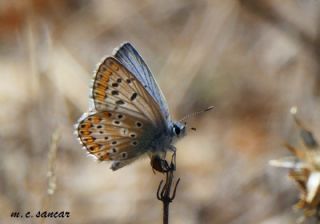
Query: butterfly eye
(177, 130)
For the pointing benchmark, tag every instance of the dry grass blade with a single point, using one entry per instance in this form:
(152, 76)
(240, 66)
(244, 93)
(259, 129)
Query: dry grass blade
(51, 172)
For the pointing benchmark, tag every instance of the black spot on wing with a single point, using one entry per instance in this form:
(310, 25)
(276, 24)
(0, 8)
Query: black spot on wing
(114, 92)
(133, 96)
(119, 102)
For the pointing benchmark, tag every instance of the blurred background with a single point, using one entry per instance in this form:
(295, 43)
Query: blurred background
(251, 59)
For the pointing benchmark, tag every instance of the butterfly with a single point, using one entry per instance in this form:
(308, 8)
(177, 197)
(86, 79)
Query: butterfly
(128, 115)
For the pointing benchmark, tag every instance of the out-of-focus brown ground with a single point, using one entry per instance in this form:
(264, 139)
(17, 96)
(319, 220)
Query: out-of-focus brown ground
(252, 60)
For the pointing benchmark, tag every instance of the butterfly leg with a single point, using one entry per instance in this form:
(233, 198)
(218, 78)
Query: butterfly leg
(172, 148)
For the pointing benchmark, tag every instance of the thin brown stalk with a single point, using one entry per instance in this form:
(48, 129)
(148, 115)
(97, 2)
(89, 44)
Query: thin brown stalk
(164, 192)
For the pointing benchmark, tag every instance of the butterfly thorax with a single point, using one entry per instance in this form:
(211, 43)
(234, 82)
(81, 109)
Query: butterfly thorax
(161, 142)
(164, 140)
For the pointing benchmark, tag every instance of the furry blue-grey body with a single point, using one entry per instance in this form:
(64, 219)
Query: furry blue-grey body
(165, 140)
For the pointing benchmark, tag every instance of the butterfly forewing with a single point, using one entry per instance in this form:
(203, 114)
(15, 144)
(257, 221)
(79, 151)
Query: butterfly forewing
(117, 89)
(131, 59)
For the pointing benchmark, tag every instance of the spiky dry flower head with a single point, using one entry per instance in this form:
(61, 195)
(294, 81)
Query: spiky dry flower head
(304, 167)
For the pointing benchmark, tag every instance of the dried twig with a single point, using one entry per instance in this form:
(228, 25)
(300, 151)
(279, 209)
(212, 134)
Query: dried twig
(51, 173)
(163, 192)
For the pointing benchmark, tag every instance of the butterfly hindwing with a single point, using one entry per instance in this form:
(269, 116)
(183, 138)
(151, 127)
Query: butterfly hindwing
(115, 136)
(131, 59)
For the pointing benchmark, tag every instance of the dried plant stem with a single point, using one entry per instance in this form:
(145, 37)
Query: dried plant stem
(52, 156)
(163, 192)
(318, 213)
(51, 173)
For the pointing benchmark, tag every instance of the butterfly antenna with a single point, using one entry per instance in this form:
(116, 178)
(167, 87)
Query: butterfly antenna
(195, 114)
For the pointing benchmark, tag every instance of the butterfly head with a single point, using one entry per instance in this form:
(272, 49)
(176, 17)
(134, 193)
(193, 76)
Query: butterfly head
(178, 130)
